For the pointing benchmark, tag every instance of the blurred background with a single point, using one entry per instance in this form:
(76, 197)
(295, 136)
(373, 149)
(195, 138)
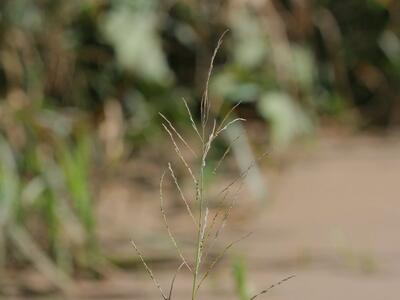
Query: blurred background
(82, 147)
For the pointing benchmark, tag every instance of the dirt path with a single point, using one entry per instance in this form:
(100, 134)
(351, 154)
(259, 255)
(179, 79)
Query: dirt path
(334, 222)
(339, 217)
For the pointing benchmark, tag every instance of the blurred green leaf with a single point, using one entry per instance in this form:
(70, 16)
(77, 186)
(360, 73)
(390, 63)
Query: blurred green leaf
(303, 67)
(250, 42)
(288, 121)
(390, 44)
(227, 86)
(239, 273)
(134, 36)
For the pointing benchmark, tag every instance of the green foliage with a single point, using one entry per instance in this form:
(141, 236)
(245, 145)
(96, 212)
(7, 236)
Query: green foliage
(133, 33)
(81, 53)
(45, 199)
(288, 120)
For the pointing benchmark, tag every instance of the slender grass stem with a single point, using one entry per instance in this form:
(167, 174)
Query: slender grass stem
(199, 232)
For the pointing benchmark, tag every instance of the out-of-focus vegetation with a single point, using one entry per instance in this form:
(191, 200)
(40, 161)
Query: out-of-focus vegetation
(74, 74)
(239, 273)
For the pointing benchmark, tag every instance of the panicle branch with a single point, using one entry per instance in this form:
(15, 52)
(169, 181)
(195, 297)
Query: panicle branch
(164, 215)
(205, 103)
(149, 271)
(219, 257)
(179, 153)
(272, 286)
(178, 187)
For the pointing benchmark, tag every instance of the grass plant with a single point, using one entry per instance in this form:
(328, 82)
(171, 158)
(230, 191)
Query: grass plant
(207, 226)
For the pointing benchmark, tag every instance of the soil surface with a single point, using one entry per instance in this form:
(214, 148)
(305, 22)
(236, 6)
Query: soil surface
(332, 218)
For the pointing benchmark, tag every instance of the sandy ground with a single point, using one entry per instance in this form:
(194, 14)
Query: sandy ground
(332, 219)
(339, 215)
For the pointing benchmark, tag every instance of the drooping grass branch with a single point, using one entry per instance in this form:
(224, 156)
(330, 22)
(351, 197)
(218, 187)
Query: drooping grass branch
(164, 215)
(178, 187)
(149, 271)
(272, 286)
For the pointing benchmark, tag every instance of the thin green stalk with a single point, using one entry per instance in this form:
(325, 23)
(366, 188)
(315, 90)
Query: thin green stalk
(199, 230)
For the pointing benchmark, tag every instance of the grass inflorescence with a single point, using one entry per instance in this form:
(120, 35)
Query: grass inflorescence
(207, 227)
